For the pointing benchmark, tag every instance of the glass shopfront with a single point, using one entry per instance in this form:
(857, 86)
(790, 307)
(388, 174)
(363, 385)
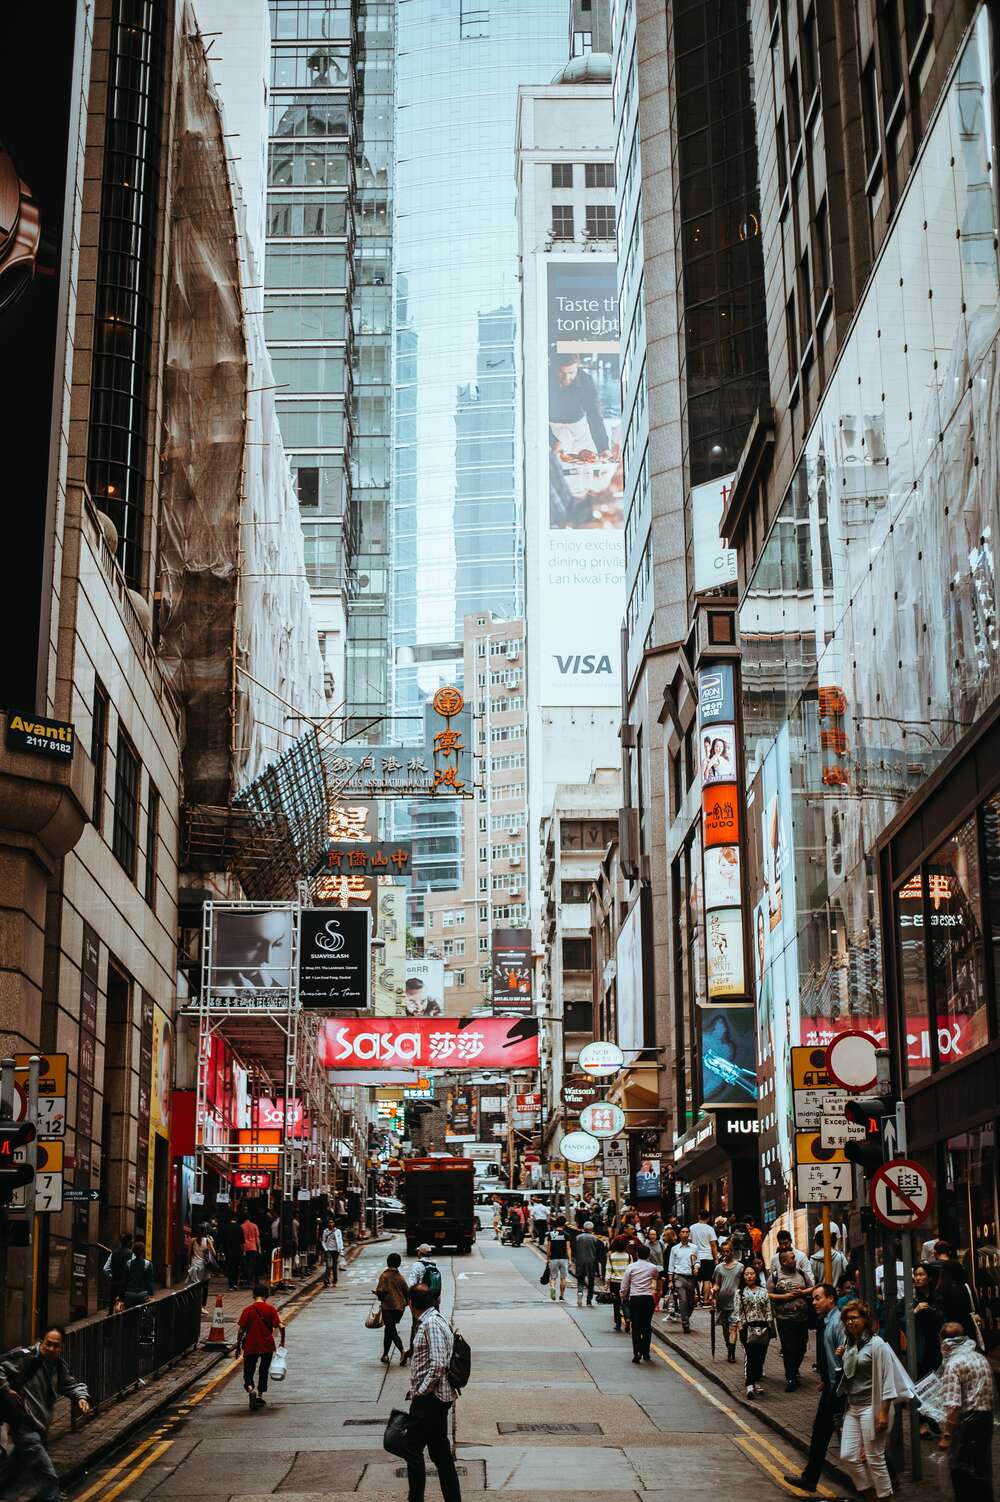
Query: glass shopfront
(870, 648)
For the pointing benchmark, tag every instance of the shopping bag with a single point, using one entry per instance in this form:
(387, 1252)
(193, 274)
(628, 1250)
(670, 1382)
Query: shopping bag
(374, 1320)
(546, 1274)
(396, 1431)
(279, 1365)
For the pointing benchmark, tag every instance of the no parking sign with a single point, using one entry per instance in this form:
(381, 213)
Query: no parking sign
(901, 1194)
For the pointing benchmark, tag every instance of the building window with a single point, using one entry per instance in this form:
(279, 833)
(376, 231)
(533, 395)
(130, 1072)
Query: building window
(583, 42)
(562, 174)
(562, 221)
(152, 835)
(598, 175)
(474, 21)
(454, 978)
(576, 954)
(484, 912)
(870, 115)
(99, 751)
(125, 832)
(601, 221)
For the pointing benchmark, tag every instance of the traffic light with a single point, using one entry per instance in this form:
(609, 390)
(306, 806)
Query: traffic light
(14, 1135)
(871, 1112)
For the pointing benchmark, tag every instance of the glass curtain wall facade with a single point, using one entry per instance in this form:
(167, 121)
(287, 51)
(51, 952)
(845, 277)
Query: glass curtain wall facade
(368, 619)
(456, 514)
(869, 625)
(309, 273)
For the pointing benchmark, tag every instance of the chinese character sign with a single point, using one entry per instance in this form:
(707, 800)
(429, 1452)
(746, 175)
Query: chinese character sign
(430, 1043)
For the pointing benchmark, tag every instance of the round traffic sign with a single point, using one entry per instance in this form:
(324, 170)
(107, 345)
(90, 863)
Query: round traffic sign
(602, 1119)
(579, 1147)
(851, 1061)
(601, 1058)
(901, 1194)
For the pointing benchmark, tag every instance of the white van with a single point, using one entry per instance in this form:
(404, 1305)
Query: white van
(487, 1193)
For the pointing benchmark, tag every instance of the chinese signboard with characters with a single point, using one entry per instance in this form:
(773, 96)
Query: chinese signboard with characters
(430, 1043)
(380, 858)
(442, 766)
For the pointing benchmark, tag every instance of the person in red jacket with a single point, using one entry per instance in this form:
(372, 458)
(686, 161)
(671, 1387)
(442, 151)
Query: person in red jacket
(257, 1325)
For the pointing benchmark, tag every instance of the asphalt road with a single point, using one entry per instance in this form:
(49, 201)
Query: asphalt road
(555, 1409)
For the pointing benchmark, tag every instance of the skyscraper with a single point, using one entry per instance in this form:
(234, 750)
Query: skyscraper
(456, 532)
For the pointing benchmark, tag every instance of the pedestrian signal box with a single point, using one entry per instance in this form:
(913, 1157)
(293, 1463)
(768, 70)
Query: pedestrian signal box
(870, 1112)
(14, 1171)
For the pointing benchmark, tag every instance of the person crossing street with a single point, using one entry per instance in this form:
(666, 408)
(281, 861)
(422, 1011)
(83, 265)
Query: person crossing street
(585, 1259)
(431, 1398)
(641, 1289)
(333, 1249)
(682, 1270)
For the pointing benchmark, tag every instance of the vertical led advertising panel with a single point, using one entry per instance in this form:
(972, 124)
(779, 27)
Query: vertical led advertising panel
(581, 541)
(511, 985)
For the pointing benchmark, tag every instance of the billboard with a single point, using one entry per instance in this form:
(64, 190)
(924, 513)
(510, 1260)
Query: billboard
(452, 1043)
(334, 959)
(390, 960)
(581, 521)
(629, 1003)
(250, 963)
(728, 1056)
(511, 985)
(423, 989)
(714, 562)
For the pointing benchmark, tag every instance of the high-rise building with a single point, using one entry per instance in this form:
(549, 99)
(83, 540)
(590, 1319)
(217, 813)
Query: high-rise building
(571, 428)
(456, 519)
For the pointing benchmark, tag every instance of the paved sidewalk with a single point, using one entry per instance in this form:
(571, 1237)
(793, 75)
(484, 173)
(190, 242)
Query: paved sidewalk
(75, 1453)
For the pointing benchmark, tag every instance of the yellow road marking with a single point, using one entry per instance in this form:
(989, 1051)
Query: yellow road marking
(137, 1471)
(98, 1487)
(748, 1430)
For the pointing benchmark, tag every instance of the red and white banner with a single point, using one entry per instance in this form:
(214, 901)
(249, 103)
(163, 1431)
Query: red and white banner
(429, 1043)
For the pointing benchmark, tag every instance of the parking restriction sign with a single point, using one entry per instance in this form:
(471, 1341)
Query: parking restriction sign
(901, 1194)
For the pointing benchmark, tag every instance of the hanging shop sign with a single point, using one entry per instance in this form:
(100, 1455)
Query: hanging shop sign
(578, 1147)
(714, 562)
(29, 732)
(248, 1178)
(335, 959)
(429, 1043)
(380, 858)
(724, 945)
(601, 1059)
(579, 1091)
(721, 814)
(441, 767)
(601, 1119)
(511, 982)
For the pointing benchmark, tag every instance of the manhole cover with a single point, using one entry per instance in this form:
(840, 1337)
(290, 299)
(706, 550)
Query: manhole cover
(383, 1422)
(549, 1429)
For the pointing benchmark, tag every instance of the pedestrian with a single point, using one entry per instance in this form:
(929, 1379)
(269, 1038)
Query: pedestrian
(332, 1243)
(431, 1397)
(927, 1322)
(255, 1341)
(967, 1400)
(847, 1289)
(640, 1290)
(954, 1300)
(517, 1223)
(393, 1294)
(585, 1262)
(682, 1268)
(138, 1288)
(115, 1269)
(232, 1250)
(873, 1379)
(784, 1244)
(755, 1233)
(707, 1249)
(416, 1275)
(618, 1262)
(654, 1247)
(752, 1313)
(251, 1249)
(788, 1292)
(557, 1253)
(830, 1338)
(817, 1262)
(539, 1220)
(32, 1378)
(202, 1261)
(725, 1284)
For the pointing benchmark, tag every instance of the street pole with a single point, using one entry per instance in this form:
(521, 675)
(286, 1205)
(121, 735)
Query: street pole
(916, 1459)
(31, 1155)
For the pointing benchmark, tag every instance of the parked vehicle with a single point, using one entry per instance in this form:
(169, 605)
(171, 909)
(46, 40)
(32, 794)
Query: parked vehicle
(438, 1195)
(393, 1212)
(487, 1193)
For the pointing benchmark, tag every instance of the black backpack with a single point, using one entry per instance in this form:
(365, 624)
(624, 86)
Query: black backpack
(460, 1365)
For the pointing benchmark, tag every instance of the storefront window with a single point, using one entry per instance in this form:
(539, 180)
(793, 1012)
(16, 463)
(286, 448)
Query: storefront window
(912, 960)
(956, 945)
(968, 1218)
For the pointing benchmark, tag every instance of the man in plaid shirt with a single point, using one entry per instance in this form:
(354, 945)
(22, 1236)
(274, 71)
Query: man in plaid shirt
(431, 1396)
(967, 1399)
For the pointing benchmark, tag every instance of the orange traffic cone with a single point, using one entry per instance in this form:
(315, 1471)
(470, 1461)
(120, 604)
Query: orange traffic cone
(217, 1333)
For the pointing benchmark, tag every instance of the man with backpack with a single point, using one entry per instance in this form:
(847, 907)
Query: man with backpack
(115, 1269)
(431, 1395)
(427, 1272)
(138, 1286)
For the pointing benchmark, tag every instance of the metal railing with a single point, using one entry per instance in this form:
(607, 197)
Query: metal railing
(113, 1355)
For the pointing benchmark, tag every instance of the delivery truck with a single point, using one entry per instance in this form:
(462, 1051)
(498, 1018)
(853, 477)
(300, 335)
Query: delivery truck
(438, 1195)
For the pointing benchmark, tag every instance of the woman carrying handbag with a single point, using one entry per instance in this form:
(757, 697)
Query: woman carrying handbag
(203, 1262)
(393, 1295)
(752, 1318)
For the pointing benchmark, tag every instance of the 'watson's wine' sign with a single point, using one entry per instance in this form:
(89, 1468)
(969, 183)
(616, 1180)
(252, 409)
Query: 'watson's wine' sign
(27, 732)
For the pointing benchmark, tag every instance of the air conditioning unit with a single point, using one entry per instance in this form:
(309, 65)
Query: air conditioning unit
(515, 860)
